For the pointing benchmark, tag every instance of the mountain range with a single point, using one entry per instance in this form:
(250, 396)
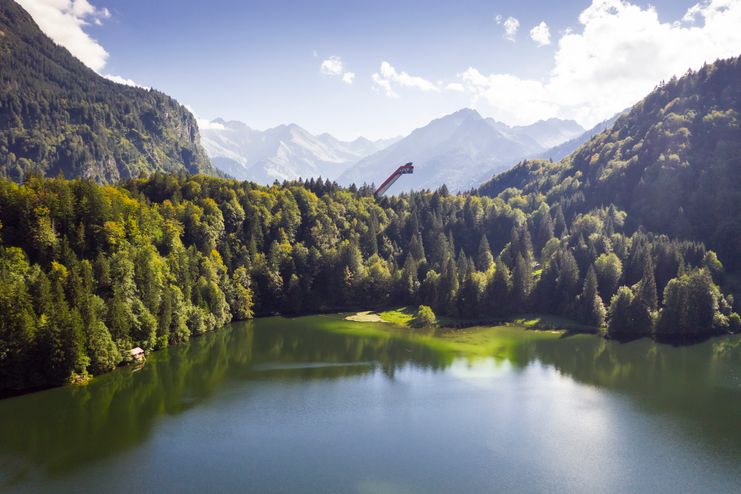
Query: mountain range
(57, 116)
(285, 152)
(460, 150)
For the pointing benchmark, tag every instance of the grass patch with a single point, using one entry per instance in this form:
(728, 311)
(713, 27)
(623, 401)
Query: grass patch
(401, 316)
(548, 321)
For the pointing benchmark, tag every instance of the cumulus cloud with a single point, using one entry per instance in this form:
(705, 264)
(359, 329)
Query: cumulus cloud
(63, 22)
(205, 124)
(387, 77)
(541, 34)
(511, 25)
(620, 53)
(331, 66)
(334, 67)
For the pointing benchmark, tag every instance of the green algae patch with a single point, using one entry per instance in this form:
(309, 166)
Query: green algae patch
(499, 341)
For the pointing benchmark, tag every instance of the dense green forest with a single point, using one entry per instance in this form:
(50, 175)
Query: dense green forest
(673, 163)
(89, 271)
(613, 236)
(59, 117)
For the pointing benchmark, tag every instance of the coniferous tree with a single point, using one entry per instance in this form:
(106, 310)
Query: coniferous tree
(647, 286)
(498, 291)
(521, 283)
(484, 258)
(591, 308)
(620, 321)
(609, 270)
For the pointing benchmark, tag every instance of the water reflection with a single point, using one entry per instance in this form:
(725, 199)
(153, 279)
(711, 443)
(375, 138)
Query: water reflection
(62, 429)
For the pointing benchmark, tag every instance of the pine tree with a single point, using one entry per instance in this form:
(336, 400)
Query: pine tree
(498, 292)
(484, 258)
(591, 308)
(567, 282)
(620, 323)
(416, 248)
(521, 283)
(647, 287)
(449, 286)
(409, 280)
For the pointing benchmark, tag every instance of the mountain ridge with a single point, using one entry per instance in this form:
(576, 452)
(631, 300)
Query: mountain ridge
(59, 116)
(458, 149)
(283, 152)
(672, 162)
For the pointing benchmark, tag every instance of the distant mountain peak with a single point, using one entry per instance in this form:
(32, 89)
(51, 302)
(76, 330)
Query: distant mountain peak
(466, 112)
(283, 152)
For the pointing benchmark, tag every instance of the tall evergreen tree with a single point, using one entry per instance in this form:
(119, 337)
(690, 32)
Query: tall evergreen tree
(591, 308)
(484, 257)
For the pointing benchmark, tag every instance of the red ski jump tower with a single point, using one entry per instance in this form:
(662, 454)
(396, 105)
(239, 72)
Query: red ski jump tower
(402, 170)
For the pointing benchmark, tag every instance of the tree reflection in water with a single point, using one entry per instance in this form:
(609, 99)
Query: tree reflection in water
(64, 428)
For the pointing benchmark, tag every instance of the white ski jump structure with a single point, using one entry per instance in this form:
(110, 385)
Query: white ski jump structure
(407, 169)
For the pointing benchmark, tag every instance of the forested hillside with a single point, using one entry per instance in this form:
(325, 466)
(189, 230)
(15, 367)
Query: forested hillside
(673, 163)
(58, 116)
(88, 271)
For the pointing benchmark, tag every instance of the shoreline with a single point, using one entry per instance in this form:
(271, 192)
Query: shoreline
(526, 322)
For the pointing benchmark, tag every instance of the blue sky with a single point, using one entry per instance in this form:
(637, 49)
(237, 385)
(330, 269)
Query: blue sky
(313, 63)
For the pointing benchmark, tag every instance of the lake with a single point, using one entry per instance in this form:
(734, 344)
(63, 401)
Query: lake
(320, 404)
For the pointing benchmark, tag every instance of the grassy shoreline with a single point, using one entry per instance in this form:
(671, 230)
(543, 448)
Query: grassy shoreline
(402, 316)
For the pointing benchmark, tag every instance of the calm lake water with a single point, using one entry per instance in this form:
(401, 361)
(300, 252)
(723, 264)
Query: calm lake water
(319, 404)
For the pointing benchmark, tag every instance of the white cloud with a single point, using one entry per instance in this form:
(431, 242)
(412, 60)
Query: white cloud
(205, 124)
(541, 34)
(621, 52)
(456, 87)
(334, 67)
(388, 76)
(511, 25)
(63, 21)
(123, 80)
(381, 83)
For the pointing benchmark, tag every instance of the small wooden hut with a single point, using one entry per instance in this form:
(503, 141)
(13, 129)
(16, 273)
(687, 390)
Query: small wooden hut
(137, 354)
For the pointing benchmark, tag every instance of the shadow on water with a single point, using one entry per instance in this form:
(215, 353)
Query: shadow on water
(63, 429)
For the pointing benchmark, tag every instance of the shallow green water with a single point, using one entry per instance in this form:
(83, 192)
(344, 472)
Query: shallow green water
(318, 404)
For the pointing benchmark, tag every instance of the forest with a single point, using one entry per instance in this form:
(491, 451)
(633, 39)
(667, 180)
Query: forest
(672, 163)
(89, 271)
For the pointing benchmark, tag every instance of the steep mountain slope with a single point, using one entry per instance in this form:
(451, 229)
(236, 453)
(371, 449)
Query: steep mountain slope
(286, 152)
(58, 116)
(458, 150)
(673, 162)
